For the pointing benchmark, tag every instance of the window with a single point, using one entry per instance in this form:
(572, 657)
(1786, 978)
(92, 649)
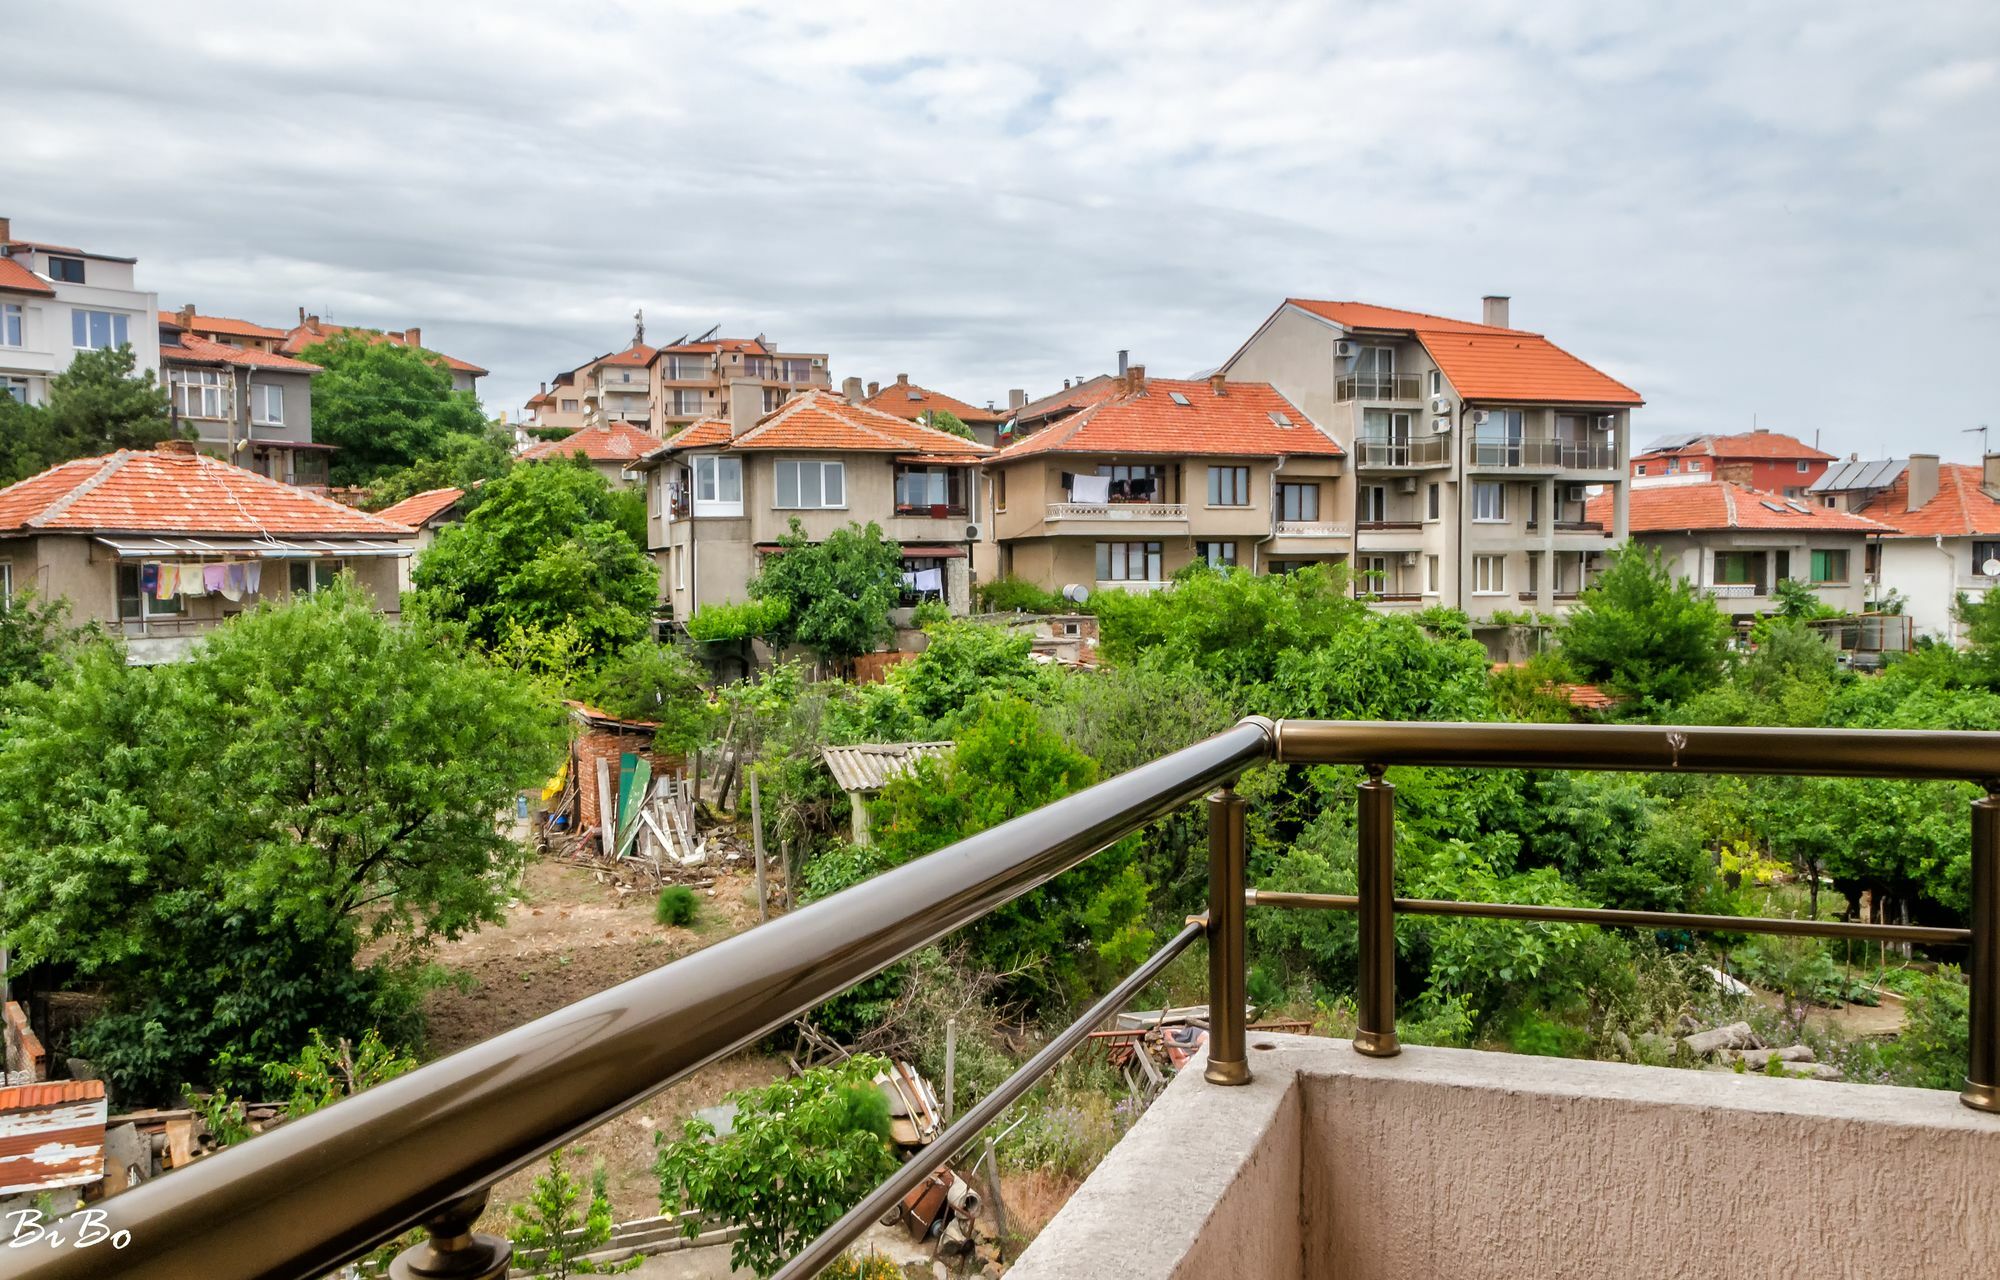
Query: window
(773, 398)
(1982, 552)
(1128, 562)
(1694, 464)
(201, 393)
(6, 582)
(1433, 502)
(1374, 504)
(1229, 487)
(1298, 502)
(999, 490)
(1640, 469)
(684, 368)
(10, 324)
(1489, 575)
(1673, 466)
(1803, 466)
(1217, 555)
(924, 490)
(67, 270)
(96, 330)
(1432, 569)
(1829, 566)
(1489, 501)
(718, 486)
(570, 406)
(134, 604)
(1794, 492)
(309, 576)
(267, 404)
(687, 404)
(1134, 484)
(1437, 382)
(1736, 568)
(923, 579)
(15, 387)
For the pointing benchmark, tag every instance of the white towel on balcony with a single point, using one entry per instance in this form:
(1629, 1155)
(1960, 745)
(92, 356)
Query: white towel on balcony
(1091, 490)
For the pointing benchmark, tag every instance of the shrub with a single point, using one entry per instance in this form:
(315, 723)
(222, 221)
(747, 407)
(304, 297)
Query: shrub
(551, 1236)
(929, 614)
(1013, 595)
(677, 906)
(725, 623)
(1932, 1052)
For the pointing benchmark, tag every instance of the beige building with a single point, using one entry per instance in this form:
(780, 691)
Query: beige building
(247, 404)
(1122, 493)
(720, 495)
(1475, 448)
(162, 545)
(708, 377)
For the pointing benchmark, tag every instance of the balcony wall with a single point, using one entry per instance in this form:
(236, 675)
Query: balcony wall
(1462, 1165)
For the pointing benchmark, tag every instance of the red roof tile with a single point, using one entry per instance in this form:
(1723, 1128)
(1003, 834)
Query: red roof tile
(189, 349)
(419, 509)
(163, 491)
(302, 336)
(1722, 505)
(748, 346)
(221, 324)
(703, 433)
(1960, 509)
(822, 420)
(15, 278)
(1366, 315)
(605, 442)
(1070, 399)
(1748, 444)
(908, 400)
(638, 355)
(50, 1093)
(1236, 424)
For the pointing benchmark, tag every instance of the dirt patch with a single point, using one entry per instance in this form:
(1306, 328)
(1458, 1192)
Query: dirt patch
(1033, 1197)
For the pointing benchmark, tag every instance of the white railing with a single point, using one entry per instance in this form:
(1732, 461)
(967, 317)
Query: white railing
(1310, 529)
(1134, 584)
(1117, 511)
(1736, 590)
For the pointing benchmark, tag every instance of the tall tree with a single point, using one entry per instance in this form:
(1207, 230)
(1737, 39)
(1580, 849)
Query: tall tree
(461, 461)
(95, 406)
(385, 407)
(1641, 633)
(836, 594)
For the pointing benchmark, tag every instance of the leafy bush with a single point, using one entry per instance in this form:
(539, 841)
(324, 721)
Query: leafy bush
(660, 683)
(930, 613)
(677, 906)
(1015, 595)
(872, 1266)
(1932, 1052)
(1640, 632)
(832, 596)
(726, 623)
(551, 1236)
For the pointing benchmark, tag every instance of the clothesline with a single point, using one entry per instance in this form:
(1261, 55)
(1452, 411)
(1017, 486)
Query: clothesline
(230, 579)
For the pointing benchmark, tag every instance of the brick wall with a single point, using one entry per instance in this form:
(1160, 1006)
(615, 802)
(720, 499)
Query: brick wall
(592, 745)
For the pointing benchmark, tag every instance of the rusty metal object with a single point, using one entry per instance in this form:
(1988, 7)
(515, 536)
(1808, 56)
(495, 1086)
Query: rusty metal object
(1982, 1076)
(1228, 978)
(51, 1135)
(1375, 805)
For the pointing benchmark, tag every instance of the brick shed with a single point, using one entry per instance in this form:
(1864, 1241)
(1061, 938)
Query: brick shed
(599, 735)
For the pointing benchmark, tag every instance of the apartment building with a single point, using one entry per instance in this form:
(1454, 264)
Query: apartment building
(705, 377)
(905, 399)
(1764, 460)
(722, 492)
(1945, 540)
(1475, 448)
(1124, 492)
(56, 301)
(611, 448)
(310, 329)
(247, 404)
(1738, 543)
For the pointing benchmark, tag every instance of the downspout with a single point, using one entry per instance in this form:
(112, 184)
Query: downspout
(1256, 557)
(1460, 447)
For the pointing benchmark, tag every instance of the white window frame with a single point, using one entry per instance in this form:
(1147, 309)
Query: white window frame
(1433, 503)
(117, 329)
(6, 583)
(722, 475)
(264, 397)
(570, 406)
(828, 482)
(1498, 513)
(14, 386)
(13, 324)
(201, 394)
(1217, 553)
(1437, 382)
(1374, 504)
(1433, 574)
(320, 573)
(688, 368)
(1804, 466)
(1489, 575)
(682, 396)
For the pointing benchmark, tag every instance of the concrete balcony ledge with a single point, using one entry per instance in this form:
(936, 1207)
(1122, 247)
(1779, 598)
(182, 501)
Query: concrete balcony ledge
(1463, 1165)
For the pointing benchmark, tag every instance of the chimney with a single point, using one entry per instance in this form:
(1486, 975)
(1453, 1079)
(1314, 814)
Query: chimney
(851, 388)
(874, 389)
(414, 336)
(1124, 357)
(1493, 310)
(1215, 381)
(6, 230)
(1066, 383)
(312, 322)
(1017, 398)
(746, 405)
(1923, 477)
(302, 315)
(1989, 478)
(175, 446)
(185, 317)
(902, 379)
(1135, 377)
(545, 388)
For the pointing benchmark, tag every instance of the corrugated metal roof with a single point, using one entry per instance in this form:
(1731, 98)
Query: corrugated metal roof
(866, 766)
(51, 1135)
(1842, 476)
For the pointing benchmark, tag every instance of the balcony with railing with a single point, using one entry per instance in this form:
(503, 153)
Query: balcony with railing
(1402, 455)
(1309, 529)
(1124, 517)
(1269, 1157)
(1541, 454)
(1384, 388)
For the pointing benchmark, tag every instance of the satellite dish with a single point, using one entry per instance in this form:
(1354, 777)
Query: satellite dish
(1991, 568)
(1076, 593)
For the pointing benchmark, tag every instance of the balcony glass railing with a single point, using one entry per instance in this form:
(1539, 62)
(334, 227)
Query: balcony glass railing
(1397, 387)
(1425, 451)
(1542, 454)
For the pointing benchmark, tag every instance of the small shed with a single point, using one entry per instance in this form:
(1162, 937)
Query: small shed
(862, 769)
(51, 1135)
(603, 754)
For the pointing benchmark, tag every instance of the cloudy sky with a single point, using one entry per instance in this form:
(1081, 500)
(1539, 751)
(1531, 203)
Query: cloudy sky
(1781, 212)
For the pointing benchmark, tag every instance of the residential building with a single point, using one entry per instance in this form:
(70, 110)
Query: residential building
(700, 379)
(465, 375)
(1126, 491)
(248, 404)
(905, 399)
(559, 405)
(1475, 448)
(620, 387)
(1029, 416)
(56, 301)
(1765, 460)
(1946, 538)
(612, 449)
(161, 545)
(1738, 543)
(721, 493)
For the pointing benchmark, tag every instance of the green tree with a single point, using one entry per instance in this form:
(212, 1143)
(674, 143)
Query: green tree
(386, 407)
(462, 460)
(325, 1071)
(836, 594)
(656, 682)
(96, 406)
(801, 1152)
(947, 421)
(542, 548)
(552, 1237)
(36, 640)
(214, 840)
(1642, 634)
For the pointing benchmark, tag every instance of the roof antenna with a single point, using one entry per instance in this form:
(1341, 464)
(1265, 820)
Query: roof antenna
(639, 327)
(1981, 429)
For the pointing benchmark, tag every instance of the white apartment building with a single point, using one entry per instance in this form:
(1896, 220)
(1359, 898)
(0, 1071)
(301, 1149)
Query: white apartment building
(1475, 449)
(56, 301)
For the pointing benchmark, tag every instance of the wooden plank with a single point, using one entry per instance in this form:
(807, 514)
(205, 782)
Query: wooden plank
(607, 808)
(180, 1142)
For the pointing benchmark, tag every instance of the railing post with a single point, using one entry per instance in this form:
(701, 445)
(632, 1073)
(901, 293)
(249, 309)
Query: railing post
(1982, 1074)
(1375, 806)
(1228, 984)
(454, 1250)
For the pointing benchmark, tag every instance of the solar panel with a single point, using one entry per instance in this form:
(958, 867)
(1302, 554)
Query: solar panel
(1797, 506)
(1178, 397)
(1772, 506)
(1679, 440)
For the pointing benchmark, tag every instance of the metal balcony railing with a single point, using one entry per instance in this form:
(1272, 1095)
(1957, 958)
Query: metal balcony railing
(423, 1149)
(1422, 451)
(1398, 387)
(1541, 454)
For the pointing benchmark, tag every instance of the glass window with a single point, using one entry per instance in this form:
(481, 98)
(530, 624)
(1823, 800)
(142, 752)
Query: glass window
(1433, 502)
(6, 582)
(1217, 555)
(774, 398)
(923, 579)
(10, 324)
(15, 387)
(1134, 484)
(1982, 554)
(1374, 503)
(1803, 466)
(199, 393)
(1437, 382)
(267, 404)
(687, 403)
(308, 576)
(809, 485)
(1128, 562)
(1432, 566)
(1298, 502)
(1735, 568)
(999, 490)
(683, 368)
(1229, 486)
(1489, 575)
(1829, 566)
(718, 481)
(921, 490)
(1489, 501)
(67, 270)
(96, 330)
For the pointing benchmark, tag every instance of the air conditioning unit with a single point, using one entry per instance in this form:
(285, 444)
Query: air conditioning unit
(818, 363)
(1409, 559)
(1441, 426)
(1479, 417)
(1440, 404)
(974, 533)
(1576, 493)
(1408, 484)
(1345, 349)
(1606, 421)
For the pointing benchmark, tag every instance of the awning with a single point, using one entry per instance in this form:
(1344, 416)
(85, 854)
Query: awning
(172, 548)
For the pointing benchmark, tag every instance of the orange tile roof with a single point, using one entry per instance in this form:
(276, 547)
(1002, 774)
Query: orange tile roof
(302, 336)
(1235, 424)
(190, 349)
(1960, 509)
(703, 433)
(50, 1093)
(605, 442)
(1089, 391)
(419, 509)
(822, 420)
(748, 346)
(638, 354)
(908, 400)
(1747, 444)
(167, 491)
(1483, 362)
(221, 324)
(16, 278)
(1722, 505)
